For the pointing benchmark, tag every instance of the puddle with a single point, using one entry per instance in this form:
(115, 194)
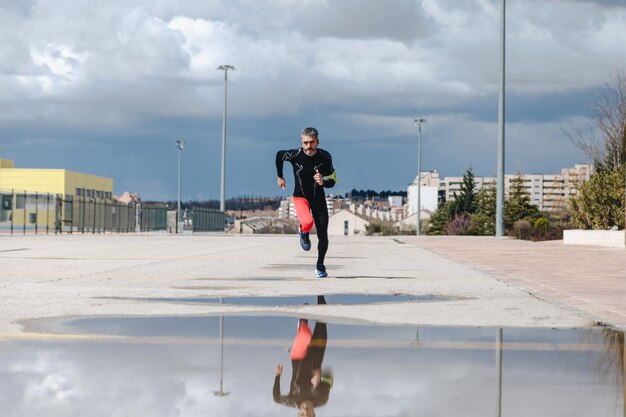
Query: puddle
(299, 267)
(226, 366)
(281, 301)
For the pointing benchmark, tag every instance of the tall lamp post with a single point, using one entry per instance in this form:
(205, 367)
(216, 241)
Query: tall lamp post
(500, 167)
(418, 123)
(224, 68)
(180, 144)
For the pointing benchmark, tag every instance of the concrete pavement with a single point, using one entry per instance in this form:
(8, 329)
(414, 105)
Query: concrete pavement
(490, 282)
(588, 279)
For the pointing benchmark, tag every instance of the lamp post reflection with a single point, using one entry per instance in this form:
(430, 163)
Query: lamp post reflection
(499, 370)
(221, 392)
(309, 386)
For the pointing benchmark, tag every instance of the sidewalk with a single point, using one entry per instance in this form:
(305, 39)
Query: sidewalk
(483, 282)
(590, 279)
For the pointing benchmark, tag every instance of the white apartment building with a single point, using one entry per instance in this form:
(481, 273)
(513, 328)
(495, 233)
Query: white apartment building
(287, 211)
(452, 185)
(386, 210)
(429, 192)
(548, 192)
(395, 200)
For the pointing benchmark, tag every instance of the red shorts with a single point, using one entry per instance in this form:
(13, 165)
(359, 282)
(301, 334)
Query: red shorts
(301, 342)
(303, 211)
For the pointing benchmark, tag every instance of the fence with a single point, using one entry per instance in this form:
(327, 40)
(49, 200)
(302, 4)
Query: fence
(206, 219)
(37, 213)
(24, 212)
(161, 216)
(90, 215)
(152, 217)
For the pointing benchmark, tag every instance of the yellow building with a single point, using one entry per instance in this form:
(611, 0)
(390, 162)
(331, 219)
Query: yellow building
(54, 199)
(53, 181)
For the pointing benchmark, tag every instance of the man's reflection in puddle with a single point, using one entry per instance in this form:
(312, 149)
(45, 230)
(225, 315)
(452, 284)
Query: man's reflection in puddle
(309, 388)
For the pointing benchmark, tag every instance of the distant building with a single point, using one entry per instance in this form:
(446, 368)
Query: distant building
(409, 223)
(33, 198)
(429, 192)
(452, 185)
(128, 198)
(53, 181)
(395, 200)
(345, 223)
(548, 192)
(551, 192)
(253, 226)
(287, 211)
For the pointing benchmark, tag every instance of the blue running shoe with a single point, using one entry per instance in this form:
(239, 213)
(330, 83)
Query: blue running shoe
(320, 271)
(305, 242)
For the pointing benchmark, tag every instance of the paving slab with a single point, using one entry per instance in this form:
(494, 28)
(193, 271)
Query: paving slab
(95, 275)
(588, 279)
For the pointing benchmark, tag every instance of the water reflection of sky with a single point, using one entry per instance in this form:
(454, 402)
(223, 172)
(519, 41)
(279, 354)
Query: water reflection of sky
(176, 373)
(343, 299)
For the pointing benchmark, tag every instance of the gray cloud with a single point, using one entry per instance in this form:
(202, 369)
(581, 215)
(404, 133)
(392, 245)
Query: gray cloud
(602, 3)
(22, 8)
(124, 77)
(402, 20)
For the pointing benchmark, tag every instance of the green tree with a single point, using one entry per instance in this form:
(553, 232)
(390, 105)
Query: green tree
(605, 143)
(465, 201)
(542, 225)
(481, 225)
(486, 200)
(483, 220)
(440, 218)
(599, 203)
(518, 206)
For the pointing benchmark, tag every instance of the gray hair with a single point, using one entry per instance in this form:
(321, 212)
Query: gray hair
(309, 131)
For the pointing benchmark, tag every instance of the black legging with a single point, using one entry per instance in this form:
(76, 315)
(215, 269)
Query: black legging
(319, 211)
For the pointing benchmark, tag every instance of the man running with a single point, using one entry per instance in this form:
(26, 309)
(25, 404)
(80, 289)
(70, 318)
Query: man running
(313, 171)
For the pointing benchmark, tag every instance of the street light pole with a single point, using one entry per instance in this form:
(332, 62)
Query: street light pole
(418, 123)
(180, 144)
(224, 68)
(500, 167)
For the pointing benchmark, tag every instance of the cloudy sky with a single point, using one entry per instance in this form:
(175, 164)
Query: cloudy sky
(107, 87)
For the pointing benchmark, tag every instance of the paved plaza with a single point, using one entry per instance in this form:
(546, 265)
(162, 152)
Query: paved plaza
(589, 279)
(488, 282)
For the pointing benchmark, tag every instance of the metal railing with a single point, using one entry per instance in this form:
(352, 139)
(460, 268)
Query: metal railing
(152, 217)
(44, 213)
(34, 213)
(29, 212)
(207, 219)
